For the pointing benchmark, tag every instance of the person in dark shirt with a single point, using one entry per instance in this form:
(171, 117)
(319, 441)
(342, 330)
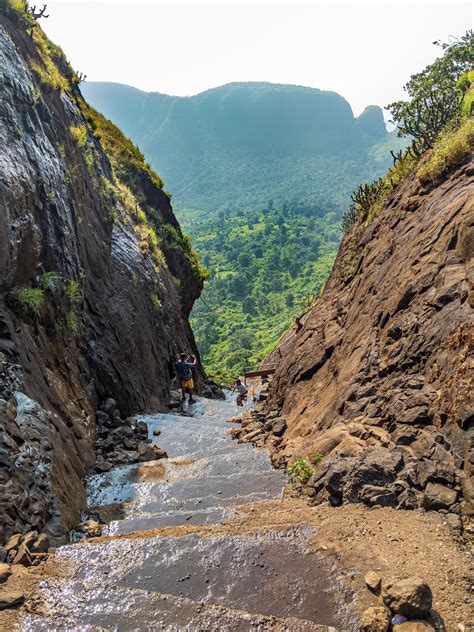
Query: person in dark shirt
(184, 371)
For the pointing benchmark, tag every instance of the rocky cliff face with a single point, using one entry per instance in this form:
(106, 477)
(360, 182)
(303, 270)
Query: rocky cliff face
(96, 282)
(380, 381)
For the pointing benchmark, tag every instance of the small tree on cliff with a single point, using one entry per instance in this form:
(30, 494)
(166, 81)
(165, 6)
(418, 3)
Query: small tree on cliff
(435, 95)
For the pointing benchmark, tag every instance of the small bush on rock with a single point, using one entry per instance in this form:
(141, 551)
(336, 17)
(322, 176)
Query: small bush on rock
(316, 458)
(79, 133)
(451, 149)
(300, 471)
(73, 292)
(30, 299)
(49, 280)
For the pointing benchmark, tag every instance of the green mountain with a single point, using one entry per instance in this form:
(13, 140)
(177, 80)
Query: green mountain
(239, 145)
(260, 174)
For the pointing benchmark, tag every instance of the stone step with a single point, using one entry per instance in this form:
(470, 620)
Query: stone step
(102, 488)
(124, 612)
(196, 422)
(199, 493)
(149, 522)
(121, 581)
(190, 440)
(268, 581)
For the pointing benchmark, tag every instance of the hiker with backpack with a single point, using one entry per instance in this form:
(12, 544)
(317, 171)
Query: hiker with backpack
(184, 371)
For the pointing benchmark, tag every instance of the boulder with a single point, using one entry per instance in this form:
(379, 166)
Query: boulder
(11, 599)
(438, 496)
(41, 544)
(373, 581)
(23, 555)
(375, 619)
(410, 499)
(377, 496)
(142, 428)
(103, 466)
(5, 572)
(251, 436)
(156, 432)
(159, 453)
(278, 426)
(102, 418)
(409, 597)
(91, 528)
(13, 542)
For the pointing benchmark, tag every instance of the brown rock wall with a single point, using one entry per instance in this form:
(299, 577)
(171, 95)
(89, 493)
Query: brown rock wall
(385, 359)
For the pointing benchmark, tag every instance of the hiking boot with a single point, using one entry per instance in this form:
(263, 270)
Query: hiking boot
(192, 401)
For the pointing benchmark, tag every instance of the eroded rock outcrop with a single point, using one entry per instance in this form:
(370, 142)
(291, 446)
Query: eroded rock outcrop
(96, 282)
(379, 382)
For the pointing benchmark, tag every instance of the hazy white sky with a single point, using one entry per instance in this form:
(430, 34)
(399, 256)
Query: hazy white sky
(365, 51)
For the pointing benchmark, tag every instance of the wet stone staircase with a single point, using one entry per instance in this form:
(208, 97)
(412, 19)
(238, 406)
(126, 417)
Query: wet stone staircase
(141, 576)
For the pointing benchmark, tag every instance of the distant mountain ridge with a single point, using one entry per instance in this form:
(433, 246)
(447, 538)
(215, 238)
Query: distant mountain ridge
(244, 143)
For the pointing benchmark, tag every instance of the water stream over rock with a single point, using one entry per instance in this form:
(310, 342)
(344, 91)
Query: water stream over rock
(138, 578)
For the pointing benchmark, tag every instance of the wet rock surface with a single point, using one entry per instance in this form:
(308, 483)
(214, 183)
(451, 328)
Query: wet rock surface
(135, 576)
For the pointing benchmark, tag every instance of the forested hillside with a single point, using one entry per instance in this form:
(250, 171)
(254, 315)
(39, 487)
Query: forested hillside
(239, 145)
(266, 266)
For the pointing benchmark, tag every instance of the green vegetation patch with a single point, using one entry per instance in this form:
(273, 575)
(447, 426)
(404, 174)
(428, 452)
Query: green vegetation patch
(266, 266)
(31, 299)
(79, 134)
(300, 471)
(451, 149)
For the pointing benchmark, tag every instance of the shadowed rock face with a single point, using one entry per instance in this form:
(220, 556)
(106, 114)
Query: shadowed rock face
(100, 330)
(380, 379)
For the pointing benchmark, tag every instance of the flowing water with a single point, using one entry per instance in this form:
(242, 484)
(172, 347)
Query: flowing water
(140, 578)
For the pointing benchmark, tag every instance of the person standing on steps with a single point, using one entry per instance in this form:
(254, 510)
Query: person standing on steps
(242, 392)
(184, 371)
(192, 360)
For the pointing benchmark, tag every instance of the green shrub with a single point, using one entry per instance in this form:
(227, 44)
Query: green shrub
(79, 134)
(300, 471)
(156, 301)
(48, 71)
(31, 299)
(72, 321)
(19, 11)
(349, 218)
(73, 292)
(316, 458)
(451, 149)
(49, 280)
(435, 95)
